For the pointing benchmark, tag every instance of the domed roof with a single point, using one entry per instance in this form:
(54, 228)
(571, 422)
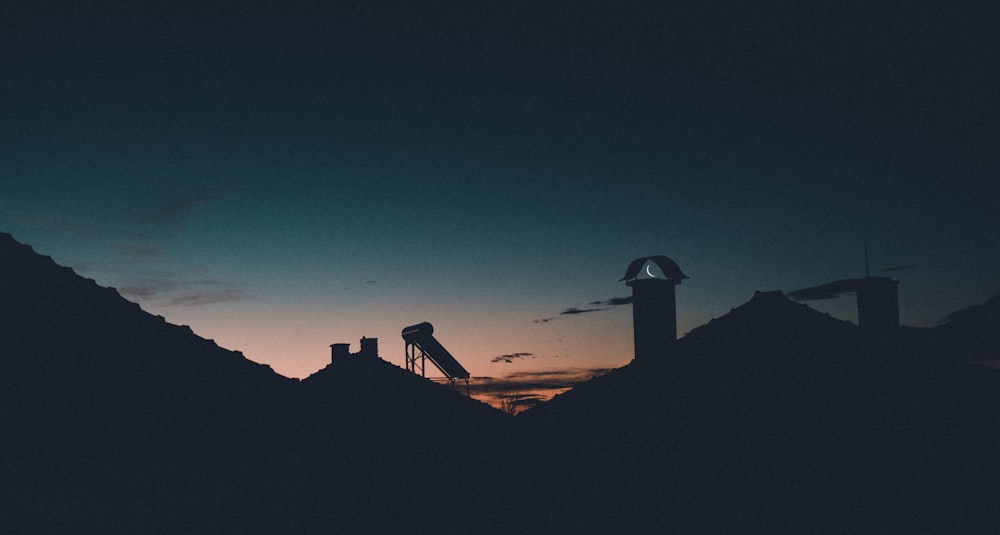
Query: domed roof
(670, 268)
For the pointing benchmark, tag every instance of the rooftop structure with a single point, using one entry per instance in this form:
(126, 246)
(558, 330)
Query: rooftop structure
(340, 351)
(654, 305)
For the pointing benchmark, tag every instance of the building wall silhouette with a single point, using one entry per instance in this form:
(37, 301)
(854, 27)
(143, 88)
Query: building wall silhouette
(654, 317)
(340, 352)
(878, 304)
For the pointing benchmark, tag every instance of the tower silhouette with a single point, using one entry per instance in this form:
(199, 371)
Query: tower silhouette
(654, 305)
(878, 304)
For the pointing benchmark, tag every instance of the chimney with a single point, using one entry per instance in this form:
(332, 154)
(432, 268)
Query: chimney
(339, 352)
(654, 316)
(654, 306)
(878, 304)
(369, 347)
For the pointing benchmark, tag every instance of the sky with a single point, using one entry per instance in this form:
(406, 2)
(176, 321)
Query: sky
(282, 176)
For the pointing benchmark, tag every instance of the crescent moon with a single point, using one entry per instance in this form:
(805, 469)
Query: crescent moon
(650, 273)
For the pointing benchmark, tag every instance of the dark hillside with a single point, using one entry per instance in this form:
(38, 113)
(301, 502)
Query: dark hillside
(388, 450)
(115, 420)
(972, 333)
(775, 416)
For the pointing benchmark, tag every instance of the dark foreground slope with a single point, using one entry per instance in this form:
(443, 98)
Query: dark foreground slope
(392, 452)
(113, 417)
(115, 421)
(972, 333)
(773, 417)
(778, 417)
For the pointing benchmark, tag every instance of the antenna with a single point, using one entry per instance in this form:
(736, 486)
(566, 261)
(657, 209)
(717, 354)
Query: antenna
(867, 274)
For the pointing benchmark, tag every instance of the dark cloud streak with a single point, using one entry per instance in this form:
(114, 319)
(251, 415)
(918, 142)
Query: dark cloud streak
(544, 383)
(510, 357)
(829, 290)
(614, 301)
(575, 311)
(183, 293)
(208, 298)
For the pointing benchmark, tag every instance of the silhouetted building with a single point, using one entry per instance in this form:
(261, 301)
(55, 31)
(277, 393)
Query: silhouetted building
(878, 301)
(369, 347)
(654, 305)
(878, 304)
(340, 352)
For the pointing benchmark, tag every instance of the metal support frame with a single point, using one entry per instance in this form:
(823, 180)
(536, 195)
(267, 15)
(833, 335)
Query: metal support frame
(412, 358)
(416, 359)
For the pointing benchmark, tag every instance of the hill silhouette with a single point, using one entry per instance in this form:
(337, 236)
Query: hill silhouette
(115, 420)
(776, 416)
(112, 413)
(392, 451)
(773, 416)
(972, 333)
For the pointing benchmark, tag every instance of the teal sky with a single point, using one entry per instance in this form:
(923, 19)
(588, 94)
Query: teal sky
(282, 177)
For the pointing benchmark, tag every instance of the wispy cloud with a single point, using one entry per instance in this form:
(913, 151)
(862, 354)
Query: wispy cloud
(829, 290)
(139, 291)
(128, 234)
(614, 301)
(185, 293)
(126, 244)
(171, 212)
(526, 389)
(165, 211)
(511, 357)
(162, 220)
(574, 311)
(537, 380)
(208, 298)
(554, 378)
(601, 306)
